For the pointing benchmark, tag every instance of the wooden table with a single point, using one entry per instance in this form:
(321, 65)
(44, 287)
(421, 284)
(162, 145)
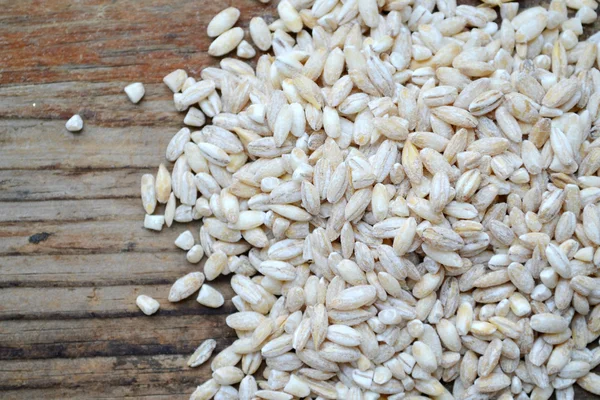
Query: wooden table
(73, 252)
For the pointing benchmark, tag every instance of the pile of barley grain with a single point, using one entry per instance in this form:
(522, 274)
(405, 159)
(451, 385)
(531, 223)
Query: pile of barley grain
(405, 193)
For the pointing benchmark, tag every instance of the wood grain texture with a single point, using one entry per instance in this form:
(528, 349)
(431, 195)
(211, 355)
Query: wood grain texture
(73, 253)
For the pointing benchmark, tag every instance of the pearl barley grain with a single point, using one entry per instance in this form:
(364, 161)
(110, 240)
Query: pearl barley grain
(202, 353)
(195, 254)
(245, 50)
(175, 80)
(154, 222)
(185, 286)
(260, 33)
(147, 304)
(185, 241)
(223, 21)
(74, 124)
(210, 297)
(226, 42)
(194, 117)
(135, 92)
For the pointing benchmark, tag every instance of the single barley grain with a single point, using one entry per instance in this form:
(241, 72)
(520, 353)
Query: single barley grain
(147, 304)
(74, 124)
(135, 92)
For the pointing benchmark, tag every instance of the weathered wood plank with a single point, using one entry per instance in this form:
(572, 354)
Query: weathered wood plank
(139, 336)
(171, 390)
(71, 184)
(98, 41)
(84, 237)
(71, 210)
(79, 270)
(100, 302)
(99, 104)
(95, 147)
(101, 377)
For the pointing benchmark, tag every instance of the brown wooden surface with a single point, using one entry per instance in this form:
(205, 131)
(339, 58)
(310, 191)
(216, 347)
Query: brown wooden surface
(73, 253)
